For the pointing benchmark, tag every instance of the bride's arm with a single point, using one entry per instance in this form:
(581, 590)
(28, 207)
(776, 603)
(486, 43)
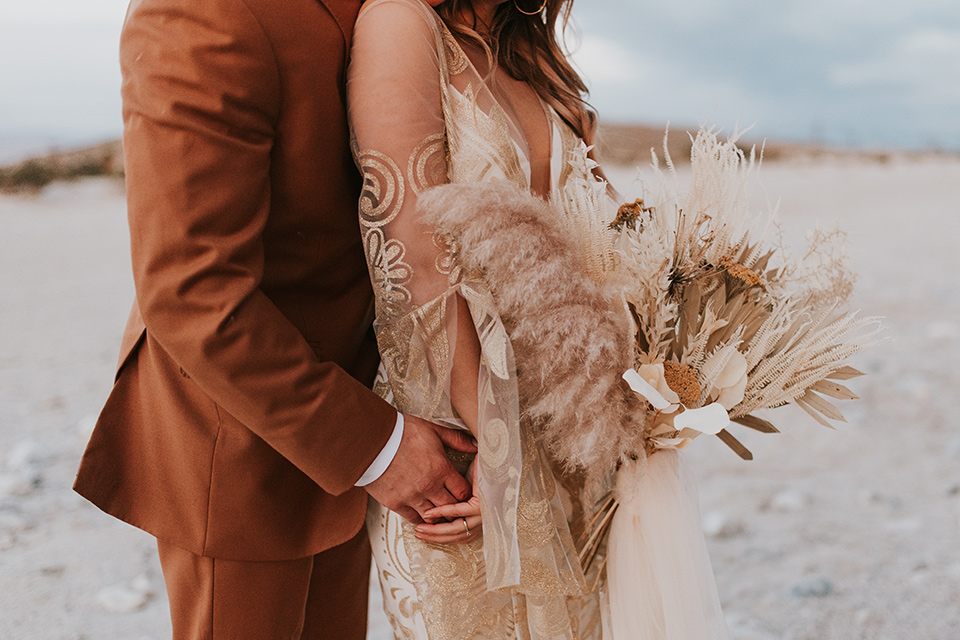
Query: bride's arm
(396, 113)
(465, 369)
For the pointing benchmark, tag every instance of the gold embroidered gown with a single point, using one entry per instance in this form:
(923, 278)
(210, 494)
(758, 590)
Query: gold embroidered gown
(422, 115)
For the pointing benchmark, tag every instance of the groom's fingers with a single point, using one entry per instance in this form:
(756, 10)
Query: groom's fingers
(420, 476)
(458, 487)
(440, 497)
(410, 515)
(457, 440)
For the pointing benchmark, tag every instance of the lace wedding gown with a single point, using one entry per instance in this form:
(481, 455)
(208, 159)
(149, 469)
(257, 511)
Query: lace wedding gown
(422, 115)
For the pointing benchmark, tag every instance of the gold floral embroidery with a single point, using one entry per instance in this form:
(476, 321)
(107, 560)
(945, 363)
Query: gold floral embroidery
(446, 262)
(388, 271)
(485, 132)
(568, 142)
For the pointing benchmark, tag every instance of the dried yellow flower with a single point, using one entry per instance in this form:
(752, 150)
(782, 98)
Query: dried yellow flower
(682, 380)
(629, 214)
(743, 274)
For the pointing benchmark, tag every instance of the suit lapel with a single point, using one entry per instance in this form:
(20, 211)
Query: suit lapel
(345, 13)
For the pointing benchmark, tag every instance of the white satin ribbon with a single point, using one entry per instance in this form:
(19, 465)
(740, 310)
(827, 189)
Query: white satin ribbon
(689, 423)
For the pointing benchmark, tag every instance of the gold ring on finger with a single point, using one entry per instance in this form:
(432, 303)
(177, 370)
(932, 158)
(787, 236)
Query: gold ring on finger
(466, 527)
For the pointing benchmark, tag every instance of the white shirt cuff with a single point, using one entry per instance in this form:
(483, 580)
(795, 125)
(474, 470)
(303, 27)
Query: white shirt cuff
(387, 454)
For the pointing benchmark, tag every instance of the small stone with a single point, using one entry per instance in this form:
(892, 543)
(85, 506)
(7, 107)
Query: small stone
(943, 330)
(916, 386)
(789, 501)
(26, 455)
(20, 484)
(952, 450)
(119, 599)
(142, 584)
(917, 578)
(867, 618)
(54, 403)
(816, 587)
(126, 598)
(85, 427)
(719, 524)
(24, 471)
(904, 525)
(122, 598)
(741, 628)
(873, 497)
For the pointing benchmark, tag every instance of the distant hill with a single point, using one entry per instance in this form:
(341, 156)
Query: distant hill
(630, 144)
(619, 144)
(31, 175)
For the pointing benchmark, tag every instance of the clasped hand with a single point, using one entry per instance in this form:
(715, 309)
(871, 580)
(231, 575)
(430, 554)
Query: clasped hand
(423, 487)
(461, 522)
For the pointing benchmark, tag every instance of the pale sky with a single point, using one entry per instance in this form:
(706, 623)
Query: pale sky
(853, 72)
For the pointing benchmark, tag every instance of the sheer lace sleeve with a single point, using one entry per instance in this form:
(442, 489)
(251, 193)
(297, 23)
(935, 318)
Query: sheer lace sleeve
(397, 119)
(399, 111)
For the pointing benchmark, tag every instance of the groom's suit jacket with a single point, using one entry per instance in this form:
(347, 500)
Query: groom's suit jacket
(240, 416)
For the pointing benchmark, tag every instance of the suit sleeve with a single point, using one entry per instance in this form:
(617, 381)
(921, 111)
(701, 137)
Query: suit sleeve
(201, 96)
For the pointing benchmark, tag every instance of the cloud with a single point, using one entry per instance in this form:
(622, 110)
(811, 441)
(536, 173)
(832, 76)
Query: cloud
(848, 71)
(602, 59)
(65, 82)
(852, 70)
(75, 12)
(922, 67)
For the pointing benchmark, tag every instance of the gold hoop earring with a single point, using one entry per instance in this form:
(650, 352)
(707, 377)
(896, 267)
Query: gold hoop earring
(530, 13)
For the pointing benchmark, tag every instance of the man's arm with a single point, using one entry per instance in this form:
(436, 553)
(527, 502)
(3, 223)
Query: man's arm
(201, 97)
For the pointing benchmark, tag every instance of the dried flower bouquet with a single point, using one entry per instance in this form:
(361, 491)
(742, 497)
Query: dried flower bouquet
(725, 322)
(686, 298)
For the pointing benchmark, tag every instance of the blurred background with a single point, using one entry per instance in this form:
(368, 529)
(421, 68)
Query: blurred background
(857, 73)
(825, 535)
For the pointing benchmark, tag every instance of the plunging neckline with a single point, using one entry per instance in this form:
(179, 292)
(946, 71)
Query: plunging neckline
(548, 116)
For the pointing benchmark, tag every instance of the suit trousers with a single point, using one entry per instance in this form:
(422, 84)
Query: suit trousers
(319, 597)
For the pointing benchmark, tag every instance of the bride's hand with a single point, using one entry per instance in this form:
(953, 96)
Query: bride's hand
(463, 519)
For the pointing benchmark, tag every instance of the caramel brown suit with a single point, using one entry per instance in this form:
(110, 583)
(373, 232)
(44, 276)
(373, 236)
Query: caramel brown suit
(240, 416)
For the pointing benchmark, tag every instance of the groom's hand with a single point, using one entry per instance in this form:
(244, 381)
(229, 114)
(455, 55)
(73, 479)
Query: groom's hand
(420, 476)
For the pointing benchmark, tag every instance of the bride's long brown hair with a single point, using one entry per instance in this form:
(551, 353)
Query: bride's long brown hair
(529, 49)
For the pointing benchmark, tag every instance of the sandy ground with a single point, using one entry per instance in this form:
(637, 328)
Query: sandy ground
(826, 535)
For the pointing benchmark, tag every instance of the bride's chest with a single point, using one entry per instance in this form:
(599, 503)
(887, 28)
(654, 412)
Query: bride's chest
(499, 129)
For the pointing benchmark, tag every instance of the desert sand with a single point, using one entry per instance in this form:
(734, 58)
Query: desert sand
(826, 535)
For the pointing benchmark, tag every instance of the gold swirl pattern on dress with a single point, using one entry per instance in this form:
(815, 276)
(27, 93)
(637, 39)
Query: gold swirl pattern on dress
(381, 198)
(456, 58)
(549, 616)
(494, 438)
(428, 164)
(534, 527)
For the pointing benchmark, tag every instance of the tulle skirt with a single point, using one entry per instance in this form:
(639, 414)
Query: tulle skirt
(660, 584)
